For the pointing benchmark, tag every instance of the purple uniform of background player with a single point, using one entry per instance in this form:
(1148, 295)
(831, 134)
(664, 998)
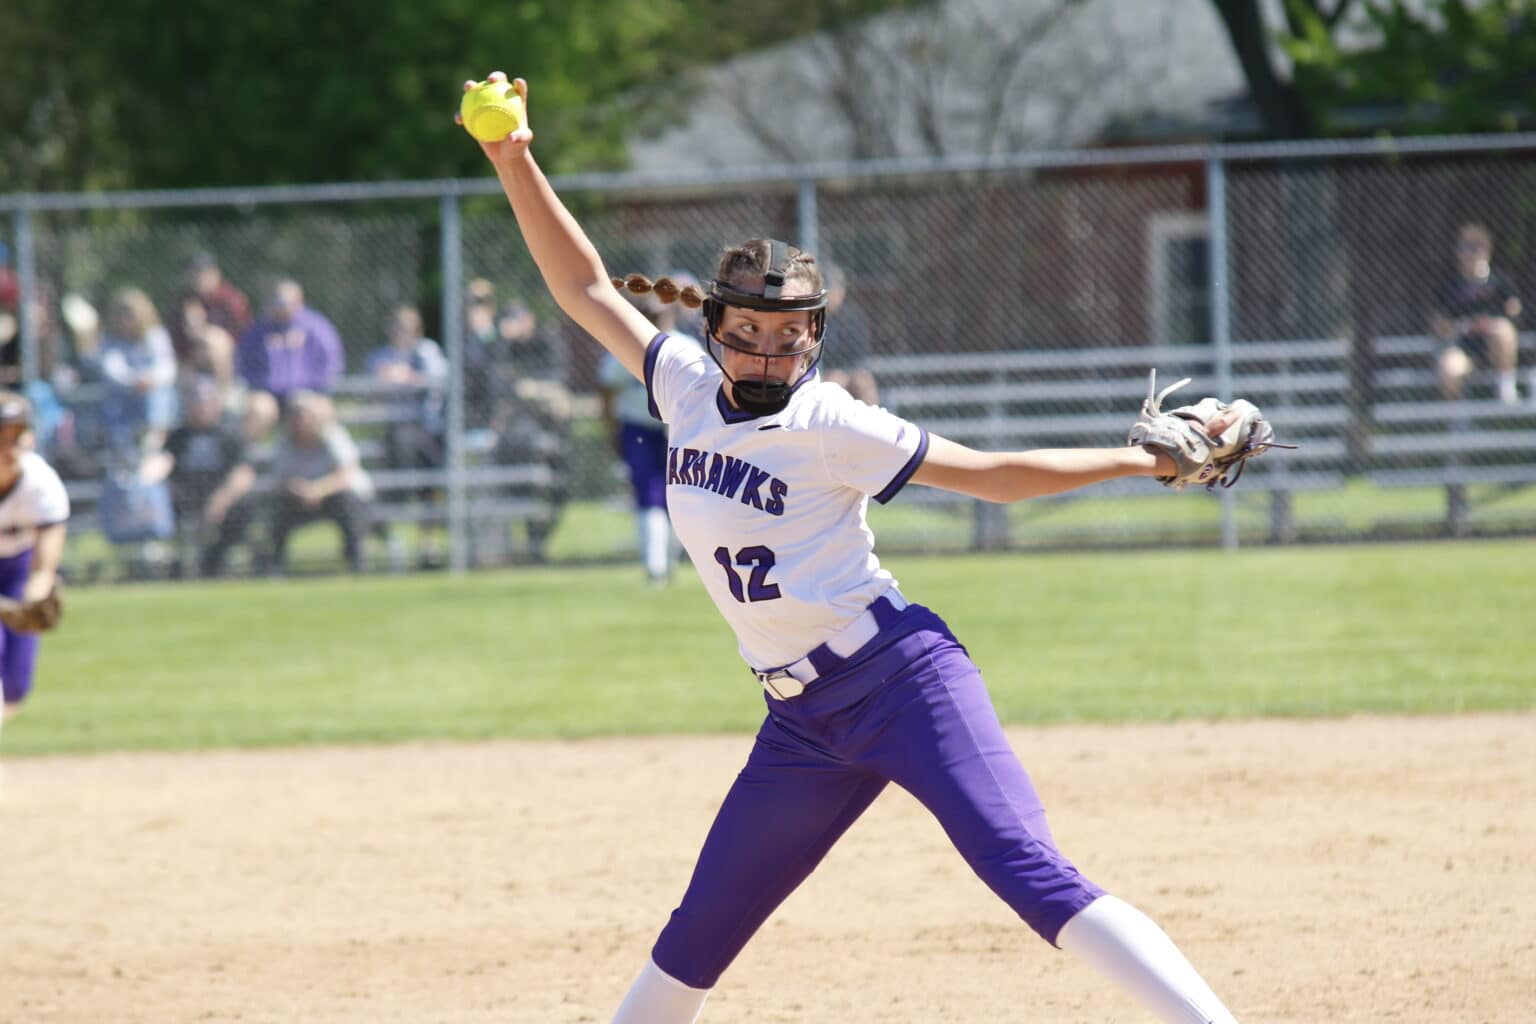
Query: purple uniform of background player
(889, 695)
(34, 509)
(18, 651)
(641, 443)
(645, 456)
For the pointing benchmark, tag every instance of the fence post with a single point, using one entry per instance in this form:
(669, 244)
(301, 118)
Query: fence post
(26, 274)
(450, 243)
(990, 519)
(807, 220)
(1221, 316)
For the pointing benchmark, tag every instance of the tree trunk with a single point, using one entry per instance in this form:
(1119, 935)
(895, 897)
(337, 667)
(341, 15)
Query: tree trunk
(1284, 113)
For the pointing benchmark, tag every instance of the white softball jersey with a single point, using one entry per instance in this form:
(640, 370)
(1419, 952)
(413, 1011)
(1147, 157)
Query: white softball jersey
(37, 499)
(772, 509)
(632, 404)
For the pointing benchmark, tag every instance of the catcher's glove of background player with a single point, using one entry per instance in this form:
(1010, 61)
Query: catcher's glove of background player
(1198, 457)
(32, 616)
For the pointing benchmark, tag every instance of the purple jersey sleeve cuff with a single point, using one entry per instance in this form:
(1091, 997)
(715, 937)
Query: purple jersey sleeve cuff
(651, 352)
(900, 479)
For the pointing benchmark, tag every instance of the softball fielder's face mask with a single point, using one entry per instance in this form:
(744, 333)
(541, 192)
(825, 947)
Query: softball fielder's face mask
(761, 394)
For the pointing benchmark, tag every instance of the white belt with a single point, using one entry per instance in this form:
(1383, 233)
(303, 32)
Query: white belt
(792, 679)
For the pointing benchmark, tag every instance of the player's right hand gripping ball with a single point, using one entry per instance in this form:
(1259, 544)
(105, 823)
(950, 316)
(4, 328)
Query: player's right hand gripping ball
(1198, 457)
(491, 110)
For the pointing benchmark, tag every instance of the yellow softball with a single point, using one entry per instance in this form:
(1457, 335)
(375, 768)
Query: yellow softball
(491, 110)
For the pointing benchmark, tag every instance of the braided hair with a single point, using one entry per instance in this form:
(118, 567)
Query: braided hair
(663, 289)
(749, 259)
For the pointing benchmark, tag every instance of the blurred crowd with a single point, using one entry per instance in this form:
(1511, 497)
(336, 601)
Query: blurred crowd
(200, 423)
(212, 423)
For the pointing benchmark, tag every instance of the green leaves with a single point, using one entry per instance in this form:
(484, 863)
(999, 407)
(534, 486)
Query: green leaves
(1446, 66)
(207, 93)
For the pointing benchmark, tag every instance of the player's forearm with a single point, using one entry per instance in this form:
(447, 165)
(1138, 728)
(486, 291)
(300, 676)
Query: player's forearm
(1033, 474)
(39, 584)
(567, 260)
(1016, 476)
(45, 563)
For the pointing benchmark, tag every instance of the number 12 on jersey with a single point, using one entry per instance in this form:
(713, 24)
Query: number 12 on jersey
(761, 560)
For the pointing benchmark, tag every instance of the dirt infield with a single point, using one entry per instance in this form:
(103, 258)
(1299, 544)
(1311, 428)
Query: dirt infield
(1368, 869)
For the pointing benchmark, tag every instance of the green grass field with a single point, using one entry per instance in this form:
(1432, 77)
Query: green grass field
(602, 529)
(581, 652)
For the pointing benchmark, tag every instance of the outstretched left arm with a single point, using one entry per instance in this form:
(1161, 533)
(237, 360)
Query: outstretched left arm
(1015, 476)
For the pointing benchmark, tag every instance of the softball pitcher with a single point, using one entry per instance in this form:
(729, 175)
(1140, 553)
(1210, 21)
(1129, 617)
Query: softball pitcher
(34, 511)
(769, 475)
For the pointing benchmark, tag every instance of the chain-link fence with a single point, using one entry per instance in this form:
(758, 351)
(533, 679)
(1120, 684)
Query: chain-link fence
(1366, 297)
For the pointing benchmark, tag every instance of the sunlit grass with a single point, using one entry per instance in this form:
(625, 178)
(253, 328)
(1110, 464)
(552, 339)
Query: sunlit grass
(572, 652)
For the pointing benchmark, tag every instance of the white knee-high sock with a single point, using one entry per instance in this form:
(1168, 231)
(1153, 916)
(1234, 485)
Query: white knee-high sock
(658, 998)
(1130, 949)
(656, 542)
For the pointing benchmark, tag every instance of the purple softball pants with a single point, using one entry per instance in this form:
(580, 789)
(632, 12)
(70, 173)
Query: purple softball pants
(908, 708)
(18, 651)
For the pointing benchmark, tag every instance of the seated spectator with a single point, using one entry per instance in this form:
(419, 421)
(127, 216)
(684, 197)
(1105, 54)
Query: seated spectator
(849, 342)
(10, 282)
(84, 326)
(10, 321)
(292, 348)
(48, 412)
(206, 352)
(415, 365)
(134, 509)
(514, 386)
(210, 477)
(521, 364)
(318, 474)
(210, 314)
(227, 306)
(138, 369)
(481, 336)
(67, 392)
(1474, 314)
(479, 313)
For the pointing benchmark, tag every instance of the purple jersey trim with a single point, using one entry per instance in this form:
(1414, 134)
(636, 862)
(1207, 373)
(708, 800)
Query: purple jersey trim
(728, 412)
(651, 352)
(900, 479)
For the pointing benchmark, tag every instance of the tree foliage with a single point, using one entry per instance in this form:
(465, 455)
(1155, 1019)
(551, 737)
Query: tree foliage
(140, 93)
(1411, 66)
(144, 94)
(1442, 66)
(1286, 103)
